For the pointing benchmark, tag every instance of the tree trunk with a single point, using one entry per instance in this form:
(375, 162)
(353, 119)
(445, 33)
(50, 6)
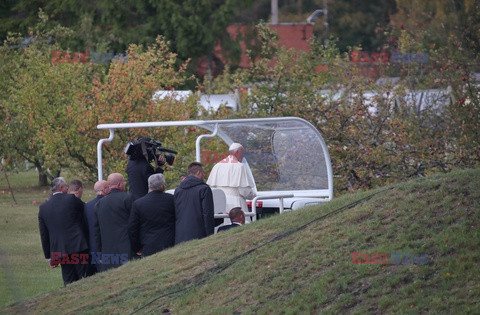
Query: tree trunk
(42, 176)
(42, 179)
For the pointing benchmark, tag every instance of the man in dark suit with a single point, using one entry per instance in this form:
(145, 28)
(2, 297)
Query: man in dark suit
(236, 216)
(193, 206)
(152, 221)
(76, 187)
(101, 189)
(63, 232)
(139, 170)
(110, 225)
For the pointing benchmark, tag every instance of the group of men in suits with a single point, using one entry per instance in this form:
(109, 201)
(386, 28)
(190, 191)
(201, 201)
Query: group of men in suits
(112, 228)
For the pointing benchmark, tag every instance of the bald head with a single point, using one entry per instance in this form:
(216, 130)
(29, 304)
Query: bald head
(116, 181)
(101, 188)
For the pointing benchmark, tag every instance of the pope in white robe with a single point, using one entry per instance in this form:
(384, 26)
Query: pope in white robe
(231, 176)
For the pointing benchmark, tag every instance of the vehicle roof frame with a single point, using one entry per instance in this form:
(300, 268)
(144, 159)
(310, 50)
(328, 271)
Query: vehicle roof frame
(212, 126)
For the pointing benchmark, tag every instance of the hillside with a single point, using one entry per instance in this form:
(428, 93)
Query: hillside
(309, 268)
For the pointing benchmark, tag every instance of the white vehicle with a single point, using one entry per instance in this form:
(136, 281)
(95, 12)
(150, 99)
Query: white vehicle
(286, 156)
(206, 101)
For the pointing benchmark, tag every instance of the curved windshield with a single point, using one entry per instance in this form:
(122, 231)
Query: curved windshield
(282, 155)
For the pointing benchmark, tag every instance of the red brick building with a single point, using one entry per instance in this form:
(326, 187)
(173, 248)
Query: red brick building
(290, 35)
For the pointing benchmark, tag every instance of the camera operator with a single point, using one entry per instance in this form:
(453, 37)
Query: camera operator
(138, 172)
(141, 154)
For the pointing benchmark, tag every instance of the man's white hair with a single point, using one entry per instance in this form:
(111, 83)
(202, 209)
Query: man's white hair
(57, 183)
(156, 182)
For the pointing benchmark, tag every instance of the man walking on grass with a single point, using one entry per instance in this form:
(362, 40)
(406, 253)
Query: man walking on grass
(63, 232)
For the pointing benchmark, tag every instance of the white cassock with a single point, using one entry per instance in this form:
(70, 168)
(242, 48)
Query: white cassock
(232, 177)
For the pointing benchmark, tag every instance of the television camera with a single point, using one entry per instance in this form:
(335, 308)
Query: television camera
(145, 148)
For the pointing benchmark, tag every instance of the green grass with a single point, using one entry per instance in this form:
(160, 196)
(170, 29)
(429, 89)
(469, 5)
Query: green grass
(23, 270)
(309, 271)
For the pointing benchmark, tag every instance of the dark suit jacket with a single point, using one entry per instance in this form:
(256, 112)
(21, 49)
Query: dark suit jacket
(62, 226)
(110, 226)
(138, 172)
(227, 227)
(152, 223)
(193, 210)
(89, 217)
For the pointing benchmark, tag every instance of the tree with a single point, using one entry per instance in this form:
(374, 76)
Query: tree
(373, 134)
(51, 110)
(36, 96)
(195, 27)
(192, 27)
(359, 23)
(448, 31)
(125, 95)
(440, 25)
(96, 24)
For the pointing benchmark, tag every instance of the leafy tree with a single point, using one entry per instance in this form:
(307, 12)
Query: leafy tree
(448, 31)
(193, 27)
(51, 110)
(35, 98)
(125, 95)
(84, 18)
(374, 135)
(446, 26)
(359, 23)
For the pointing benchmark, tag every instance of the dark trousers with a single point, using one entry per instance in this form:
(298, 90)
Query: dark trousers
(73, 272)
(91, 268)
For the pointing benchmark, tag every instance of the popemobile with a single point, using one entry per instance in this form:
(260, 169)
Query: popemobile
(294, 171)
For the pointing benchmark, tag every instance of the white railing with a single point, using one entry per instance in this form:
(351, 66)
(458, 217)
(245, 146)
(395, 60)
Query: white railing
(253, 213)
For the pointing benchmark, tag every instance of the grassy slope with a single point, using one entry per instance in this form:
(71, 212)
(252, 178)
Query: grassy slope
(311, 270)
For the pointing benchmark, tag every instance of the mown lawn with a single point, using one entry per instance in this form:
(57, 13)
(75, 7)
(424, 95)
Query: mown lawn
(24, 272)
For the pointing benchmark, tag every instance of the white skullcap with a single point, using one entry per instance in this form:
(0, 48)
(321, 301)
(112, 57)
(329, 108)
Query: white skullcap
(235, 146)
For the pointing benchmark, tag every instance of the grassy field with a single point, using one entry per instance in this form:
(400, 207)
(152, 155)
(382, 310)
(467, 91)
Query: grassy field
(307, 270)
(23, 270)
